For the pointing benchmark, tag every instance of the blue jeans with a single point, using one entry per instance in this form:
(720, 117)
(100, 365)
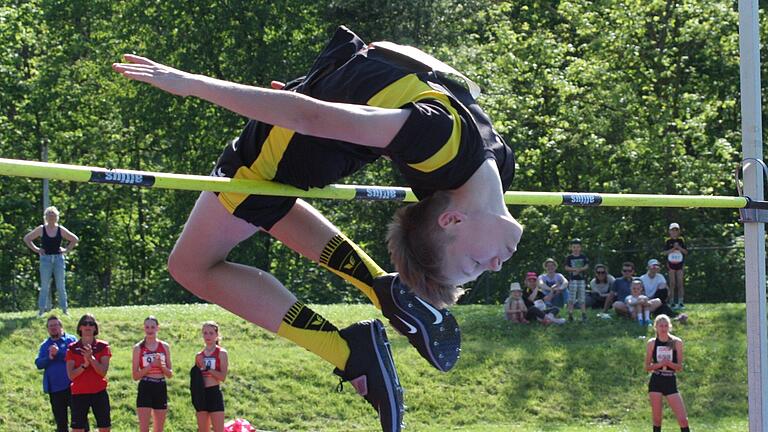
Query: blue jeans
(52, 266)
(559, 300)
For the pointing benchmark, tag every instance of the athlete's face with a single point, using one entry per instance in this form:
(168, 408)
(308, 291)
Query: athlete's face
(150, 328)
(480, 243)
(51, 218)
(662, 327)
(210, 334)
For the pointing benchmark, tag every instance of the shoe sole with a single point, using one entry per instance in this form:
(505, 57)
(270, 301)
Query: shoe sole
(434, 332)
(389, 374)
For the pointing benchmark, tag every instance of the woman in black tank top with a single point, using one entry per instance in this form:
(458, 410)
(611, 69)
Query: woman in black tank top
(51, 254)
(664, 358)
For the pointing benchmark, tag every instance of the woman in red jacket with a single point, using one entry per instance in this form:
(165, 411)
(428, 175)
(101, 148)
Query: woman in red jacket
(87, 366)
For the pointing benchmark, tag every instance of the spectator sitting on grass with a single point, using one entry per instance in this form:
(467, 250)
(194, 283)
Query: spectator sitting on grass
(638, 304)
(553, 283)
(622, 287)
(514, 307)
(601, 289)
(654, 282)
(536, 302)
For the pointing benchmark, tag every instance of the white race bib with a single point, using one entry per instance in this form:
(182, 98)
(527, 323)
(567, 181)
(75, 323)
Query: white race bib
(663, 353)
(209, 362)
(675, 257)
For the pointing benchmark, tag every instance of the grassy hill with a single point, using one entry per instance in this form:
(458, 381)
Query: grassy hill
(578, 377)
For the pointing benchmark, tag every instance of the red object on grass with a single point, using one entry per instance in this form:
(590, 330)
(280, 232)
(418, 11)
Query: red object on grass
(238, 425)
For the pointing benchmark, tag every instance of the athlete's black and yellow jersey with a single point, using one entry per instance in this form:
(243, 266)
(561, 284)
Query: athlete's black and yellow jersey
(442, 143)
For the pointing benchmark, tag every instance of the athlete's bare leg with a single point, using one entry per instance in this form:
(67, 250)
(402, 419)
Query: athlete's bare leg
(198, 263)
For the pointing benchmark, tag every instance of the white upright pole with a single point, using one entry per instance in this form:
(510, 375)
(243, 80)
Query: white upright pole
(754, 232)
(46, 192)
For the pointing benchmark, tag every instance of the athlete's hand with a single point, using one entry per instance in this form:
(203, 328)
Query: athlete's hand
(165, 78)
(87, 354)
(277, 85)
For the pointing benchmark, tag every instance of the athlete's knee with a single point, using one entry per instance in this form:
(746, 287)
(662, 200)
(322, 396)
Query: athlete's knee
(184, 271)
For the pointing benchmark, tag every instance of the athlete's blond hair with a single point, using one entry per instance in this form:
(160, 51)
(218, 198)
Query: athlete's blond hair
(416, 245)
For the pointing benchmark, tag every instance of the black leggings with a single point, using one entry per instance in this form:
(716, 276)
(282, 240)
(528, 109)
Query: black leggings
(98, 402)
(60, 402)
(535, 313)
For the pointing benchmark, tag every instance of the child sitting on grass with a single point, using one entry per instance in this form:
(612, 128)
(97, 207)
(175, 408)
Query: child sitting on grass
(514, 306)
(637, 303)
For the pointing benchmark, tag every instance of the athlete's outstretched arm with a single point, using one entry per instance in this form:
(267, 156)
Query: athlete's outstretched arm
(358, 124)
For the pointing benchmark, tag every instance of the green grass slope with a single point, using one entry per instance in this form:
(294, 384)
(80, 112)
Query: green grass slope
(578, 377)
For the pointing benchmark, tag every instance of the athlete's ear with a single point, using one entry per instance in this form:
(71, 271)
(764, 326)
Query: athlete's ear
(450, 218)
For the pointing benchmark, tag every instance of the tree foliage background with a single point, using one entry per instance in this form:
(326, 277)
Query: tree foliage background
(622, 96)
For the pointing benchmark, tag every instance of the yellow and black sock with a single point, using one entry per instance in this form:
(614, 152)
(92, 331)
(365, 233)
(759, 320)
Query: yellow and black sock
(308, 329)
(347, 260)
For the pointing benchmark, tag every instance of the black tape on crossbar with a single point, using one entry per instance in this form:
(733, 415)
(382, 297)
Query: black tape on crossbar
(379, 194)
(582, 200)
(122, 178)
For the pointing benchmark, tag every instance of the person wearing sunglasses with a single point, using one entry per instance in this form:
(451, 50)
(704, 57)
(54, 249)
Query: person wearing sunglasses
(87, 366)
(622, 287)
(601, 289)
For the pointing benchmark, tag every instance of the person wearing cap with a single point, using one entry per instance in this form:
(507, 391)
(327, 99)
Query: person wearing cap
(601, 288)
(654, 282)
(622, 287)
(515, 309)
(675, 251)
(577, 264)
(536, 302)
(553, 283)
